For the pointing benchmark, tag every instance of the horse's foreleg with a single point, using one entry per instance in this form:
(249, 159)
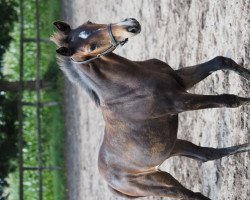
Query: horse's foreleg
(188, 102)
(159, 184)
(193, 75)
(188, 149)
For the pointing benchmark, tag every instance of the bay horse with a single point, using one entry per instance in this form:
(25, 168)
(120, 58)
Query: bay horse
(140, 102)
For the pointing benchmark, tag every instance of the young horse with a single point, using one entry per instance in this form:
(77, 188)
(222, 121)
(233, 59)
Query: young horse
(140, 103)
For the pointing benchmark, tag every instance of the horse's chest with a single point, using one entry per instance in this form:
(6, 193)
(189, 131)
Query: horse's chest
(145, 107)
(158, 95)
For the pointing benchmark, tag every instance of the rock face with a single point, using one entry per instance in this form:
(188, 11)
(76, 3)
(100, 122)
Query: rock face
(182, 34)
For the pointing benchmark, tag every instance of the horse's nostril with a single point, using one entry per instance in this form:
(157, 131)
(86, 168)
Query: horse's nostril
(132, 29)
(132, 18)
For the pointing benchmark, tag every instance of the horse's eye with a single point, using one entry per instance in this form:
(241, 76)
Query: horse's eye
(93, 47)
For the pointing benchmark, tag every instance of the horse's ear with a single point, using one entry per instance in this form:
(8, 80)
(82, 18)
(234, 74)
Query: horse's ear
(89, 22)
(64, 51)
(63, 27)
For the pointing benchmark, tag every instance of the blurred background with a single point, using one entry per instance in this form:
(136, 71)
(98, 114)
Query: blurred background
(50, 131)
(31, 122)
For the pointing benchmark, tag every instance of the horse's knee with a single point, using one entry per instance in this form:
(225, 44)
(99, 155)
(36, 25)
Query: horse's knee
(224, 62)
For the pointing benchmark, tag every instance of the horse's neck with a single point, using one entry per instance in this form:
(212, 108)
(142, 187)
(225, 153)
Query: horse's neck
(110, 74)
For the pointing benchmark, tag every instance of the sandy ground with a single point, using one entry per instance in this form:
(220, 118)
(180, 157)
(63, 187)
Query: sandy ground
(182, 34)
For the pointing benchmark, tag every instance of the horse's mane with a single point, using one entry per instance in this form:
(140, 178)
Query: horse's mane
(59, 39)
(72, 71)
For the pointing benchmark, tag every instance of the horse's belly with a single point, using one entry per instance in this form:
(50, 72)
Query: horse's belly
(144, 146)
(155, 144)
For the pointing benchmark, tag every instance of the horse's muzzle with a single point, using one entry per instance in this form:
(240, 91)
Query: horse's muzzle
(133, 26)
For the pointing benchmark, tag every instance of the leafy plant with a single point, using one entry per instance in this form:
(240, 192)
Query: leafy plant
(51, 117)
(8, 16)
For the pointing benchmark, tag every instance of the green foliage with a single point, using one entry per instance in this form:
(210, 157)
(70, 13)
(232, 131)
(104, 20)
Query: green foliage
(8, 135)
(51, 117)
(8, 16)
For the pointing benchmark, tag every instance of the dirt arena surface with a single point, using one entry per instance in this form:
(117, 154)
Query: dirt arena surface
(182, 33)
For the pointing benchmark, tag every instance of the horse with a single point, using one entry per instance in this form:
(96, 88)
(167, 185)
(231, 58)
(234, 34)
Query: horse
(140, 102)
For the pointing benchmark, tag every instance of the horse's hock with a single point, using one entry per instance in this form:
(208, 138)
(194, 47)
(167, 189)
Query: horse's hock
(182, 35)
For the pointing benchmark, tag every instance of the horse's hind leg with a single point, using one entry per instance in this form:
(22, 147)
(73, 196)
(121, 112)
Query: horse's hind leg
(158, 184)
(188, 149)
(192, 75)
(116, 192)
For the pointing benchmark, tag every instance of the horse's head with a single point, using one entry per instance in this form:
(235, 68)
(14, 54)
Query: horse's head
(91, 39)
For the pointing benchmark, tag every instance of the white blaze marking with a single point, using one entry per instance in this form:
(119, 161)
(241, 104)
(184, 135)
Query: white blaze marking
(101, 29)
(84, 35)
